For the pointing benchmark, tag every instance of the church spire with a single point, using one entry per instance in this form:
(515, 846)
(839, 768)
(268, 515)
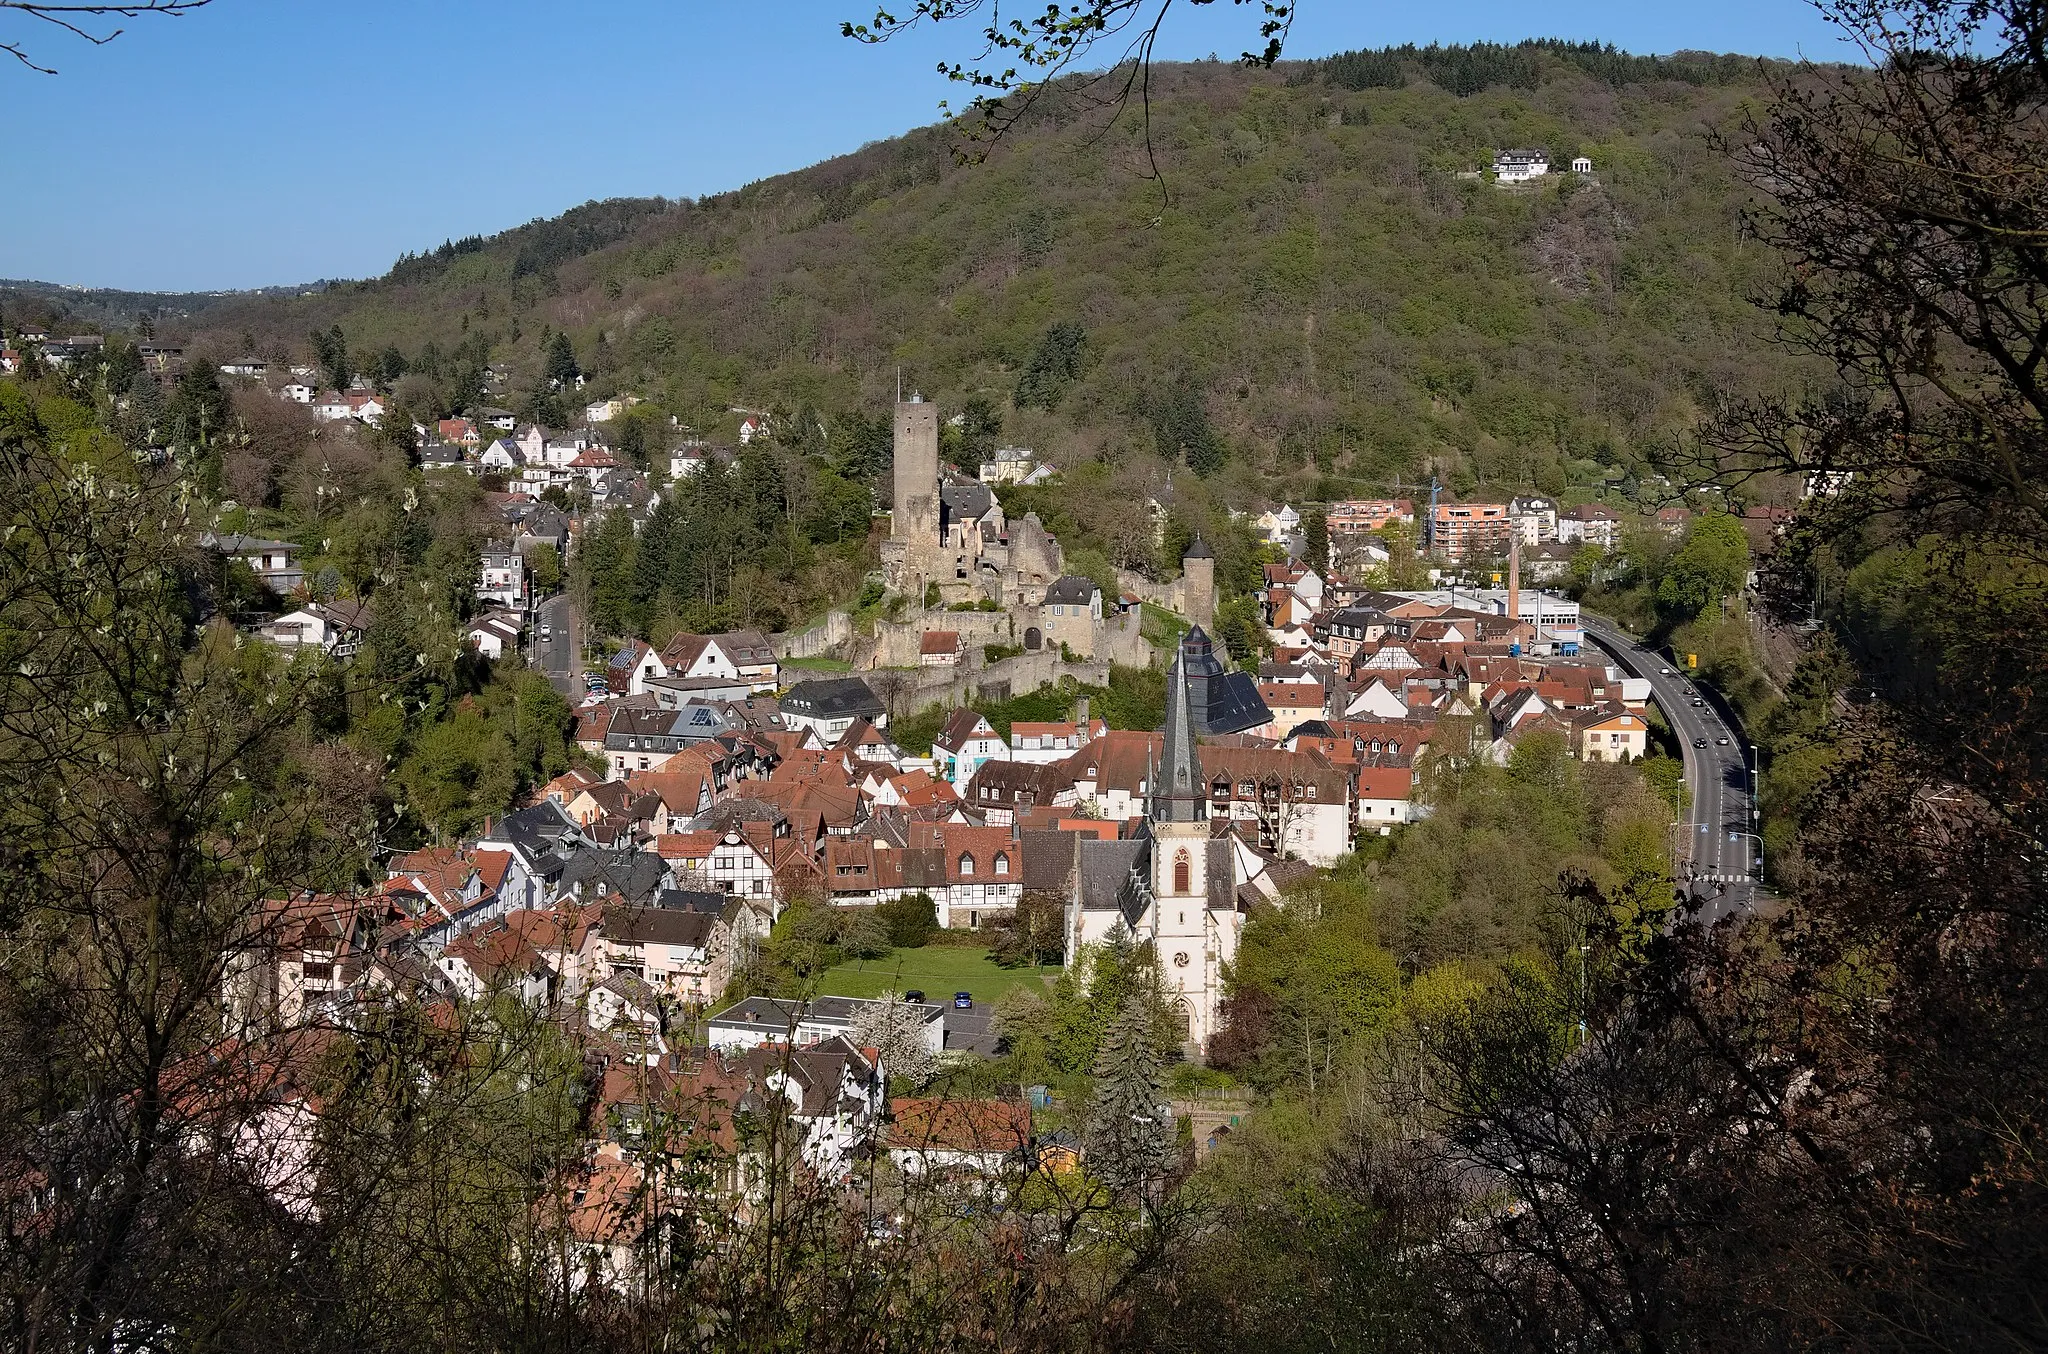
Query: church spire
(1179, 793)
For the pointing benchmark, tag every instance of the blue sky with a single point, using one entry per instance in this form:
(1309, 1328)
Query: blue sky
(276, 141)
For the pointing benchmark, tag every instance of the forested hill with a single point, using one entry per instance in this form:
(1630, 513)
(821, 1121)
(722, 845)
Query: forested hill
(1318, 275)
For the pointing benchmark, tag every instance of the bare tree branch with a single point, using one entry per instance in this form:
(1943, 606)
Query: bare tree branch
(69, 16)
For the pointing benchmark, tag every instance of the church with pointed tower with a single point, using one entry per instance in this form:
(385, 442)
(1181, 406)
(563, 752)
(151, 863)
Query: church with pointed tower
(1174, 884)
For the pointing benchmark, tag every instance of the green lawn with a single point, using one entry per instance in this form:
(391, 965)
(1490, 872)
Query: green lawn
(937, 970)
(1161, 628)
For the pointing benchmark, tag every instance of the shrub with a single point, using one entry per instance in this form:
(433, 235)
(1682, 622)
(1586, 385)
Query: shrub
(911, 921)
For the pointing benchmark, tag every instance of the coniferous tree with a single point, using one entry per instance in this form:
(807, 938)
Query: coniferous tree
(1055, 365)
(559, 368)
(1315, 530)
(1130, 1129)
(331, 350)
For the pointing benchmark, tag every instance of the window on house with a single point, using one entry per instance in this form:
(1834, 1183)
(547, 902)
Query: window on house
(1002, 863)
(966, 865)
(1183, 872)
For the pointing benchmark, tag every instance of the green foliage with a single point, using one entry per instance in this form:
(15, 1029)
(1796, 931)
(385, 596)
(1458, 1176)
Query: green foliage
(1309, 982)
(1180, 425)
(1128, 1140)
(1055, 365)
(1059, 1031)
(1713, 563)
(545, 563)
(1315, 530)
(489, 751)
(558, 366)
(330, 351)
(908, 922)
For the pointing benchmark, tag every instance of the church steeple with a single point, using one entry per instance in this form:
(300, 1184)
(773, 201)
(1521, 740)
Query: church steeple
(1179, 792)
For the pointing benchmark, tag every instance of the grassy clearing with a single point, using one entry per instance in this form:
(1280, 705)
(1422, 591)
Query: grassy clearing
(937, 970)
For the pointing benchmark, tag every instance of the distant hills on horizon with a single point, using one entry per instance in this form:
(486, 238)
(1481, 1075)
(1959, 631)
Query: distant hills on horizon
(1460, 69)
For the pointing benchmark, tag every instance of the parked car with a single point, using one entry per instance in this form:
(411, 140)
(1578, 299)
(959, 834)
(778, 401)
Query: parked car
(963, 1001)
(547, 632)
(913, 994)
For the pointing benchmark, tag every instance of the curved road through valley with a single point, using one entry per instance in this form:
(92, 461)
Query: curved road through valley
(1715, 846)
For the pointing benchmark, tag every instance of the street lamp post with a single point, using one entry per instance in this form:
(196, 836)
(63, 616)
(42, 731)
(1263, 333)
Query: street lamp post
(1736, 835)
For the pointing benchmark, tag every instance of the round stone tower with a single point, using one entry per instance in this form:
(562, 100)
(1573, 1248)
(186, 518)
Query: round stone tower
(1198, 583)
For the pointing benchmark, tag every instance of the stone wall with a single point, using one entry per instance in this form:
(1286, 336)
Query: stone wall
(907, 693)
(827, 635)
(1169, 595)
(897, 643)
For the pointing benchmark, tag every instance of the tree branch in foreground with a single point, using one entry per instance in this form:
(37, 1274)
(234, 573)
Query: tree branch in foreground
(70, 18)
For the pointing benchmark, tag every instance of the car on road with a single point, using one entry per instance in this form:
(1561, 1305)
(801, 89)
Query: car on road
(1664, 671)
(547, 632)
(1722, 742)
(1699, 742)
(1697, 701)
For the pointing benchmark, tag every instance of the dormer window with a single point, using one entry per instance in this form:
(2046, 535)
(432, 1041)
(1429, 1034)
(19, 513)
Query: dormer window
(966, 865)
(1002, 863)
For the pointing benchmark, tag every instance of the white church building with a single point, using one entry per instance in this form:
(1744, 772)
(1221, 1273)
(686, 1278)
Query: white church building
(1174, 886)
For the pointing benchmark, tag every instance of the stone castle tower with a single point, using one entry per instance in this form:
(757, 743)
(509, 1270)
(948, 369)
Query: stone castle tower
(1198, 584)
(909, 559)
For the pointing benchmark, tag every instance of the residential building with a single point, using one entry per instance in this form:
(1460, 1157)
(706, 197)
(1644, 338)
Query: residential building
(335, 628)
(272, 560)
(1039, 744)
(1010, 465)
(755, 1021)
(964, 745)
(830, 705)
(1520, 166)
(501, 577)
(1462, 531)
(1362, 516)
(936, 1135)
(940, 649)
(1610, 735)
(1071, 614)
(1590, 523)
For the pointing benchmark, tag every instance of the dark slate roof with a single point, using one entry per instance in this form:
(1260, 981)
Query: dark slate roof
(659, 926)
(693, 900)
(1070, 589)
(832, 698)
(542, 825)
(1199, 549)
(1221, 875)
(1221, 702)
(633, 875)
(774, 1012)
(966, 501)
(1179, 793)
(1049, 860)
(1105, 867)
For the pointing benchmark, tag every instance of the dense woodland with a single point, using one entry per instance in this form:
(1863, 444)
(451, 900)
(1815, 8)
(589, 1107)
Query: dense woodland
(1510, 1095)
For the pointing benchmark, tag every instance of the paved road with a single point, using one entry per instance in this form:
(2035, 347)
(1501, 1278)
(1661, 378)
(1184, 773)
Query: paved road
(1717, 850)
(557, 654)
